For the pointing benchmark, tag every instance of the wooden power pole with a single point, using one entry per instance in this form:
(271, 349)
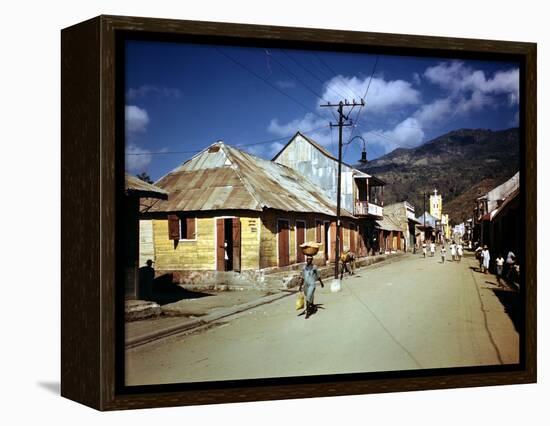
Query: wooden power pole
(343, 121)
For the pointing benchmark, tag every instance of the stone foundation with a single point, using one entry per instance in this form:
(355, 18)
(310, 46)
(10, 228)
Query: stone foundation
(274, 278)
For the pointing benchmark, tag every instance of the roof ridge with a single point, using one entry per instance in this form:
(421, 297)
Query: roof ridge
(227, 151)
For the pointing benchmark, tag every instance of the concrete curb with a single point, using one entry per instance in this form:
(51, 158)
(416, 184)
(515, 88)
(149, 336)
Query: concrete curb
(198, 322)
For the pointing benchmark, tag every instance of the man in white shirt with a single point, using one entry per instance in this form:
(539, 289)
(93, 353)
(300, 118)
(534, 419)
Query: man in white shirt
(500, 265)
(486, 259)
(432, 249)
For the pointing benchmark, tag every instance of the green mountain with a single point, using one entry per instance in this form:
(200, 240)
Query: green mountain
(461, 165)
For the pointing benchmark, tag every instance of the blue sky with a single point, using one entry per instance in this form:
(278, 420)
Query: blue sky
(180, 98)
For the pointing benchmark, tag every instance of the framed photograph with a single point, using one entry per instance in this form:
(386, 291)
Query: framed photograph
(255, 212)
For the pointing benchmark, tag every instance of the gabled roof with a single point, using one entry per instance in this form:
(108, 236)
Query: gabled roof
(430, 220)
(311, 141)
(222, 177)
(356, 173)
(323, 150)
(137, 187)
(388, 223)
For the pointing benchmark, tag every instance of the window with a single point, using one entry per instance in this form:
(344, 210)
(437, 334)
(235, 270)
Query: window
(181, 228)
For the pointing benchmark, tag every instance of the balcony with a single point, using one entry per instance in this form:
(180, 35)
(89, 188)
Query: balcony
(364, 208)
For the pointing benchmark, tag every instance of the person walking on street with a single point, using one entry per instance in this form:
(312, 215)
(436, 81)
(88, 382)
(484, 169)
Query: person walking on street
(460, 252)
(510, 262)
(347, 260)
(308, 280)
(500, 266)
(443, 252)
(424, 249)
(479, 256)
(432, 249)
(486, 259)
(453, 251)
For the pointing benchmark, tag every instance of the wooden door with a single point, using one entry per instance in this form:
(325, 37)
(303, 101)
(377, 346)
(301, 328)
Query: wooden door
(283, 234)
(236, 244)
(326, 240)
(332, 255)
(300, 239)
(220, 248)
(352, 238)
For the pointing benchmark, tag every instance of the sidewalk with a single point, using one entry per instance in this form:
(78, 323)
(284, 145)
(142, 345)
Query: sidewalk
(501, 306)
(192, 313)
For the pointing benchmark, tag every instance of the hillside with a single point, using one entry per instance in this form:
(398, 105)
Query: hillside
(462, 165)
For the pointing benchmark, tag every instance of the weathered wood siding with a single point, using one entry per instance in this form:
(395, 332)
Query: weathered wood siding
(200, 253)
(146, 243)
(303, 157)
(250, 242)
(269, 241)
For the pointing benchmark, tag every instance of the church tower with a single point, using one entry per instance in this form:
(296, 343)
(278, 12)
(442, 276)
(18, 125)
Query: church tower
(436, 205)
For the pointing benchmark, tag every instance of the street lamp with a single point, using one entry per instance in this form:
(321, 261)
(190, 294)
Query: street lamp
(363, 159)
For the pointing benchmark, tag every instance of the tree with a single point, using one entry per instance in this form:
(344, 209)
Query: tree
(144, 177)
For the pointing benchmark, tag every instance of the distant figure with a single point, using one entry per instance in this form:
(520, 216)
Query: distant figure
(424, 249)
(348, 263)
(146, 277)
(500, 266)
(453, 251)
(225, 256)
(443, 253)
(486, 259)
(459, 252)
(510, 263)
(308, 280)
(479, 256)
(432, 249)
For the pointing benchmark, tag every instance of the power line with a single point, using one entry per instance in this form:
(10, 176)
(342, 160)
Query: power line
(358, 116)
(336, 75)
(236, 144)
(312, 74)
(295, 76)
(266, 81)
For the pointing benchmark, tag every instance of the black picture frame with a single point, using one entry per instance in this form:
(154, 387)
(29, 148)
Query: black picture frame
(93, 170)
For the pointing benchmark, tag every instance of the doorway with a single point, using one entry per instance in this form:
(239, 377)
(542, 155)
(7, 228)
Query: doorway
(283, 234)
(228, 247)
(326, 241)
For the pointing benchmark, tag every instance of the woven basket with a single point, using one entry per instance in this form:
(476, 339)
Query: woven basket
(309, 249)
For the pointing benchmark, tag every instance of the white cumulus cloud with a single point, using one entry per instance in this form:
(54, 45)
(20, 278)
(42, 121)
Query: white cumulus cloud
(136, 119)
(407, 134)
(137, 159)
(382, 95)
(462, 80)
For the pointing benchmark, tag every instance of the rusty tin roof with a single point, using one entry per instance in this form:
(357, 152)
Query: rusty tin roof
(222, 177)
(139, 188)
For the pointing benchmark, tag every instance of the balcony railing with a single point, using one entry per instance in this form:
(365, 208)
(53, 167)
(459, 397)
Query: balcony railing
(364, 208)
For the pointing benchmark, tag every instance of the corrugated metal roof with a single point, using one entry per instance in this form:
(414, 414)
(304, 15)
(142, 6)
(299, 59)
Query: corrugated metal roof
(137, 187)
(224, 178)
(388, 224)
(490, 216)
(430, 220)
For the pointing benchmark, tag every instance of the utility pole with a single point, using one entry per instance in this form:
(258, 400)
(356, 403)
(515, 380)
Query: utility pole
(424, 216)
(342, 119)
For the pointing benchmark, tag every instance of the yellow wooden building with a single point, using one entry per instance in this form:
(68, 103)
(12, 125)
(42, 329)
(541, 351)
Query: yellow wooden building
(231, 211)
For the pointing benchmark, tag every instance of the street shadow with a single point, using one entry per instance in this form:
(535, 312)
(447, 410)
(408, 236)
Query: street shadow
(316, 307)
(52, 387)
(165, 291)
(510, 300)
